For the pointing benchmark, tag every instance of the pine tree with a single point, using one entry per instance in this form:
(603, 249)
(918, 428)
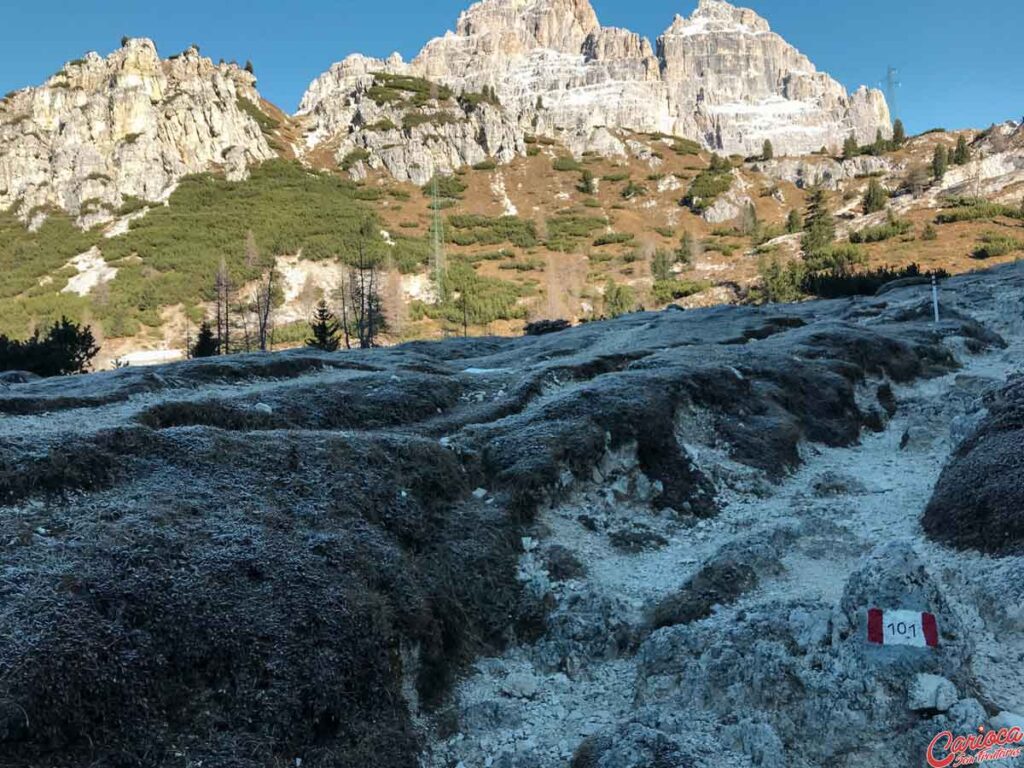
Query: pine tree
(850, 148)
(768, 151)
(687, 249)
(819, 226)
(876, 198)
(325, 329)
(249, 67)
(794, 223)
(661, 265)
(880, 145)
(962, 154)
(929, 232)
(940, 162)
(618, 299)
(206, 344)
(899, 133)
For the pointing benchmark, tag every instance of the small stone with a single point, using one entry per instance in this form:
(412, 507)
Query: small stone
(931, 693)
(480, 493)
(520, 685)
(263, 408)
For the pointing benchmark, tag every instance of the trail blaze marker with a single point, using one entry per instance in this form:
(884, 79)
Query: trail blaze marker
(913, 628)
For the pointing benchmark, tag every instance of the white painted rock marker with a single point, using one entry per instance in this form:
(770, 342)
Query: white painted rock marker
(913, 628)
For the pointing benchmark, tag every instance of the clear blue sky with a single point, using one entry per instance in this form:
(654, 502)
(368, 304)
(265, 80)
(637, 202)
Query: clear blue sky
(960, 64)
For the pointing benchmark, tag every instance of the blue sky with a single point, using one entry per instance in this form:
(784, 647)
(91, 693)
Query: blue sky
(960, 65)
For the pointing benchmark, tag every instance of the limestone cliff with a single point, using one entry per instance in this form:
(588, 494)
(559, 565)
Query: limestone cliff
(720, 76)
(128, 125)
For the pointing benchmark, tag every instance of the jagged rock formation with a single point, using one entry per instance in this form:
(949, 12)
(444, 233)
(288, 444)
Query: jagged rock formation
(412, 133)
(720, 76)
(131, 124)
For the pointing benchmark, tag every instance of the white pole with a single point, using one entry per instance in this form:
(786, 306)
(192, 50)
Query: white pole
(935, 297)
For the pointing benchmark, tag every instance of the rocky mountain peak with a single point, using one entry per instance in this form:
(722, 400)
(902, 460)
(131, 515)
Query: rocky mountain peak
(560, 25)
(130, 124)
(720, 76)
(718, 15)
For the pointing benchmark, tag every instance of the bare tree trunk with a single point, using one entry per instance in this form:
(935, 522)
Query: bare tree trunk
(224, 290)
(264, 301)
(341, 295)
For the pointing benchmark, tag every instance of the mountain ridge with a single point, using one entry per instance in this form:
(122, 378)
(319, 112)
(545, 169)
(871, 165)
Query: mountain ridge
(720, 76)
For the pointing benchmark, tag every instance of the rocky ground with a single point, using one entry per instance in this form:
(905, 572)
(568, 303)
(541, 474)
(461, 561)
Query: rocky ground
(646, 542)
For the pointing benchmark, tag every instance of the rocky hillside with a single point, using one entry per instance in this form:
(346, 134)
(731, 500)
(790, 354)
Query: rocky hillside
(721, 77)
(652, 541)
(105, 133)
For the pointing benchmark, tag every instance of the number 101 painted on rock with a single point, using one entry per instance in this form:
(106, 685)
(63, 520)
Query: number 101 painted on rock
(913, 628)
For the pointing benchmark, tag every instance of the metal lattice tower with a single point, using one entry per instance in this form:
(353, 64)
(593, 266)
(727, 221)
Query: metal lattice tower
(892, 84)
(439, 264)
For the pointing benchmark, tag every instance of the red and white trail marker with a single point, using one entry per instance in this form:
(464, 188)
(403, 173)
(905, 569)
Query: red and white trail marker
(913, 628)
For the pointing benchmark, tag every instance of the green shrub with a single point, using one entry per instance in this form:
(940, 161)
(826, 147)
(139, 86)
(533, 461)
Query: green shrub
(686, 147)
(526, 265)
(780, 283)
(566, 231)
(665, 291)
(482, 299)
(837, 258)
(470, 229)
(838, 283)
(615, 177)
(357, 155)
(994, 244)
(266, 123)
(66, 348)
(384, 124)
(632, 190)
(566, 163)
(613, 238)
(390, 89)
(451, 187)
(485, 165)
(411, 120)
(708, 185)
(892, 228)
(977, 211)
(618, 299)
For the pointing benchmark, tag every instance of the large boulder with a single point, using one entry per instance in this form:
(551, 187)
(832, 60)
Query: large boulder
(978, 502)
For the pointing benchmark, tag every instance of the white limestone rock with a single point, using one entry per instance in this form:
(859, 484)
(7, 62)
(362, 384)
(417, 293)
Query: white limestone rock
(130, 124)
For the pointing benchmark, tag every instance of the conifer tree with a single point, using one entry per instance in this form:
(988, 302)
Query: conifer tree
(875, 198)
(819, 226)
(206, 344)
(794, 223)
(880, 145)
(768, 151)
(850, 148)
(940, 162)
(962, 154)
(899, 133)
(687, 249)
(325, 329)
